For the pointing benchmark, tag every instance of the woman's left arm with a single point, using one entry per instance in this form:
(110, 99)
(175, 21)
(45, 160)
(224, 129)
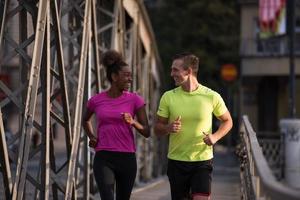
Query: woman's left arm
(141, 124)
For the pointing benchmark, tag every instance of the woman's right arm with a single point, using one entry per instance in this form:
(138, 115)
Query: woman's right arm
(87, 125)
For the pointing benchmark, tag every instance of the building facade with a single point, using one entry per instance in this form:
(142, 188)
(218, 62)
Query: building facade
(265, 71)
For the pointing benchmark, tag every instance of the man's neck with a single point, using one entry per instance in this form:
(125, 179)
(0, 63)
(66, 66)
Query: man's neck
(190, 85)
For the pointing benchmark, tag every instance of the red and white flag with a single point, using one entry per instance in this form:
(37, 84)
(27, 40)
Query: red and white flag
(272, 16)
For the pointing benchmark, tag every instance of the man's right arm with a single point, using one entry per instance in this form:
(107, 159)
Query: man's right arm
(163, 127)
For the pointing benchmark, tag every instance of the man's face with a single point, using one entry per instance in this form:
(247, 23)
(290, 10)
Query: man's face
(179, 74)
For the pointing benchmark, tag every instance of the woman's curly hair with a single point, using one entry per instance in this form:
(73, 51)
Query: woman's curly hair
(113, 62)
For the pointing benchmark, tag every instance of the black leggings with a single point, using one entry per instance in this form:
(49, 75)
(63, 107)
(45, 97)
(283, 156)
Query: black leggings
(112, 168)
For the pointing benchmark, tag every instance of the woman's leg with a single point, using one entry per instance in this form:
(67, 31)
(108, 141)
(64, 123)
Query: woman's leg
(104, 176)
(125, 176)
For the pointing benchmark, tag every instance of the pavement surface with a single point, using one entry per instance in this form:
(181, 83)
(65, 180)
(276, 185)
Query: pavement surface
(225, 185)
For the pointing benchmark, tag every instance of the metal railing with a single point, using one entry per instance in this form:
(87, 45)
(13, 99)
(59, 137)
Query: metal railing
(257, 179)
(276, 46)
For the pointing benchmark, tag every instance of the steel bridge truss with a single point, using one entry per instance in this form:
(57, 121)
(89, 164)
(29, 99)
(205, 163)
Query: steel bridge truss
(49, 67)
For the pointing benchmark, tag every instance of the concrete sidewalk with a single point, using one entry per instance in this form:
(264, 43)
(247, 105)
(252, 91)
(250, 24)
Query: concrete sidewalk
(225, 185)
(158, 190)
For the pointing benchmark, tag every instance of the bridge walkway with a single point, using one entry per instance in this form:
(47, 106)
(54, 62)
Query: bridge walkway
(225, 185)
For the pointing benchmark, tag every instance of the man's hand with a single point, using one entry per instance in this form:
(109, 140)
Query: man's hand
(209, 139)
(175, 126)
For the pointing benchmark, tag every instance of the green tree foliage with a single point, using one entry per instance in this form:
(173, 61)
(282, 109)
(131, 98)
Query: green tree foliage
(208, 28)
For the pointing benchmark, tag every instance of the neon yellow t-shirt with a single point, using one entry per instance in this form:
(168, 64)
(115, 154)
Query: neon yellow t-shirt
(196, 109)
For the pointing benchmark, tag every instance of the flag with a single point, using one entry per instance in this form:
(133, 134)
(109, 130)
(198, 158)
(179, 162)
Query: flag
(272, 18)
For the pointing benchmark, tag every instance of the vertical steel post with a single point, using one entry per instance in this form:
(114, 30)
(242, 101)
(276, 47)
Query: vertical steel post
(46, 97)
(30, 105)
(291, 34)
(3, 9)
(79, 101)
(4, 161)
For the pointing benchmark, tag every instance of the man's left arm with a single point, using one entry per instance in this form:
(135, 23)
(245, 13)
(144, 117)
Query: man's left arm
(224, 128)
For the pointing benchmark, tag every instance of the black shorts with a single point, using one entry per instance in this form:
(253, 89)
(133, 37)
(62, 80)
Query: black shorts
(189, 178)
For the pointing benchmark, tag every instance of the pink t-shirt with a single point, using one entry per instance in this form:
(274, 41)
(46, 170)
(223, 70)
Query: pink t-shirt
(114, 134)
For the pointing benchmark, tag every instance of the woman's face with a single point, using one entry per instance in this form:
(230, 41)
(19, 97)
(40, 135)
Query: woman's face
(124, 78)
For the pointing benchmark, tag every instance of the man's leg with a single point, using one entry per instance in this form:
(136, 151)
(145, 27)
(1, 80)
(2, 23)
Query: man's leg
(201, 197)
(179, 180)
(201, 181)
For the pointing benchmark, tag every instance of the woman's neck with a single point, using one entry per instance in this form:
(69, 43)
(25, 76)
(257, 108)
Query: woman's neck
(113, 92)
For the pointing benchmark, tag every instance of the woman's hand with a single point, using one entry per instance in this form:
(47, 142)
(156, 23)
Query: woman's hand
(127, 118)
(93, 142)
(141, 124)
